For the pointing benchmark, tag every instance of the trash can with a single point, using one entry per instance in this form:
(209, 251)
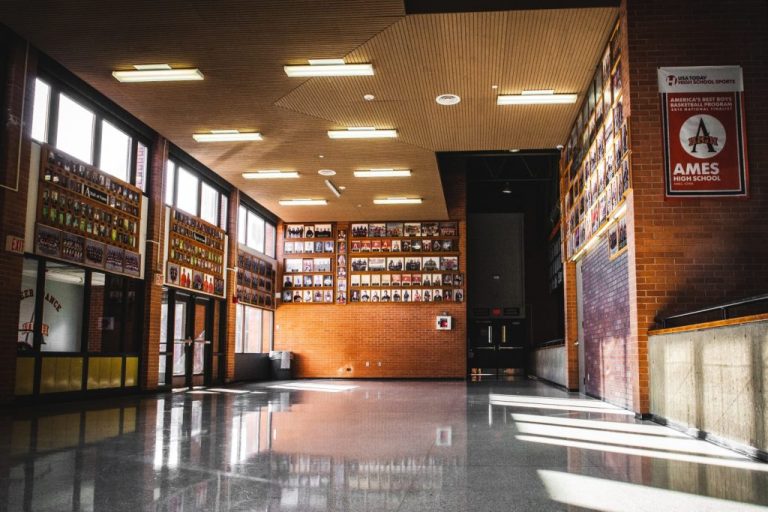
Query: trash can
(282, 364)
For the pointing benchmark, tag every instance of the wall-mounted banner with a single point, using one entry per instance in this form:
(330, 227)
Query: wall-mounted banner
(705, 151)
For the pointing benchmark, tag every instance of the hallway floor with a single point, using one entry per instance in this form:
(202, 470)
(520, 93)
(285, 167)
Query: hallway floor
(363, 446)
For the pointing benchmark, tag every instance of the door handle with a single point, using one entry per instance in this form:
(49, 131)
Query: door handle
(504, 334)
(490, 335)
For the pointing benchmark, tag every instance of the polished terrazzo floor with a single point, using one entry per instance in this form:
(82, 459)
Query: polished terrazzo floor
(363, 445)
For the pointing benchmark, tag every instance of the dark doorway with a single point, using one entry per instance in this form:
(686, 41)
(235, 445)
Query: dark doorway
(512, 218)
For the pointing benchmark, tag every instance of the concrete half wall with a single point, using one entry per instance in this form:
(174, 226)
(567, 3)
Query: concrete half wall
(548, 363)
(714, 379)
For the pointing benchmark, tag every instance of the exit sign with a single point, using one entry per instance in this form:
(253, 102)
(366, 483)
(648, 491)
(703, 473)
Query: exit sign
(14, 244)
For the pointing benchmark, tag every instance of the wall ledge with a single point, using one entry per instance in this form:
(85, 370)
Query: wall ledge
(710, 325)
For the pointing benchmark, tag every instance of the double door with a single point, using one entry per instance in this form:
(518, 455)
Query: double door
(497, 343)
(190, 348)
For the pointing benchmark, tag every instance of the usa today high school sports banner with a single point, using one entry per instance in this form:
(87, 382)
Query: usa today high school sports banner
(705, 150)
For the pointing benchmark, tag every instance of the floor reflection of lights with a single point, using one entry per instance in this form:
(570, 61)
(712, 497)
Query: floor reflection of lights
(312, 386)
(556, 404)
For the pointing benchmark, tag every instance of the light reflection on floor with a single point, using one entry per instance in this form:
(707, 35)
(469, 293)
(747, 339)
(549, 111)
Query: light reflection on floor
(363, 445)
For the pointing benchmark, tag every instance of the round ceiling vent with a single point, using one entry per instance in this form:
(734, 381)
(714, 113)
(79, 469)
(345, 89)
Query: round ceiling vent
(326, 172)
(448, 99)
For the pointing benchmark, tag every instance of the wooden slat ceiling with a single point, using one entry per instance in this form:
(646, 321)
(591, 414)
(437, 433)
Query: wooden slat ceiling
(241, 47)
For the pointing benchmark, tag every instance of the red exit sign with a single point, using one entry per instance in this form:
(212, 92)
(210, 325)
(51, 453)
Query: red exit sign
(14, 244)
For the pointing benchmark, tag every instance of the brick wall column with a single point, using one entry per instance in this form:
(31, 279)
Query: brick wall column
(153, 290)
(15, 149)
(231, 277)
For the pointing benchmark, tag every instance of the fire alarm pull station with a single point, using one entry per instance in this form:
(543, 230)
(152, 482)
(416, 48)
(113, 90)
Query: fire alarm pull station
(443, 322)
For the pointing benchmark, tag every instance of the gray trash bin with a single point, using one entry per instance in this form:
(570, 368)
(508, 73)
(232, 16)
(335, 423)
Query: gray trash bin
(282, 364)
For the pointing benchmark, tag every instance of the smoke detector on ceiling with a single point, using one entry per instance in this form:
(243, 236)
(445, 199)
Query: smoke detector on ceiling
(448, 99)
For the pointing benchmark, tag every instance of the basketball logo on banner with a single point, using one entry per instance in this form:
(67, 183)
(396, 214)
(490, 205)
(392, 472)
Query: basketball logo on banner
(704, 136)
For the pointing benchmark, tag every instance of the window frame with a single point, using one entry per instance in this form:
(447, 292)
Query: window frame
(178, 160)
(267, 317)
(60, 82)
(82, 343)
(242, 223)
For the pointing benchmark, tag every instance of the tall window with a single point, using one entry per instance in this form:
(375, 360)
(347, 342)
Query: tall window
(188, 185)
(74, 133)
(253, 333)
(255, 232)
(115, 151)
(170, 182)
(80, 128)
(209, 204)
(188, 190)
(40, 111)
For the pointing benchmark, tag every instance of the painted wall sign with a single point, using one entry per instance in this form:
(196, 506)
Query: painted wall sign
(705, 151)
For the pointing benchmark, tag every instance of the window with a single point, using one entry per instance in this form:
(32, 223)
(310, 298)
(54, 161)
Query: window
(255, 233)
(42, 102)
(115, 155)
(78, 126)
(111, 305)
(209, 204)
(224, 211)
(242, 221)
(142, 160)
(253, 330)
(188, 184)
(187, 190)
(63, 308)
(170, 174)
(269, 239)
(74, 133)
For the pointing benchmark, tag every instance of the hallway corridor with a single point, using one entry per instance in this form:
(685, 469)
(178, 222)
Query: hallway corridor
(363, 446)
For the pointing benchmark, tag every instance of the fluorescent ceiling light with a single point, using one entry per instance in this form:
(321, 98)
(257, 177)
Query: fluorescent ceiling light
(398, 200)
(157, 73)
(303, 202)
(226, 136)
(382, 173)
(539, 97)
(362, 133)
(328, 67)
(332, 187)
(270, 175)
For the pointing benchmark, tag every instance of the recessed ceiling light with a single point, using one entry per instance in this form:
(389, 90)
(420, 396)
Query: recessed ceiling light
(226, 136)
(494, 86)
(382, 173)
(271, 174)
(506, 189)
(303, 202)
(326, 172)
(328, 67)
(398, 200)
(369, 97)
(342, 187)
(320, 156)
(448, 99)
(538, 97)
(514, 150)
(362, 133)
(559, 146)
(157, 73)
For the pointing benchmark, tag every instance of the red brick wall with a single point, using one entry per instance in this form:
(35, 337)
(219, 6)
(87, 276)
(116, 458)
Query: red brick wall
(150, 346)
(694, 252)
(13, 198)
(329, 340)
(605, 287)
